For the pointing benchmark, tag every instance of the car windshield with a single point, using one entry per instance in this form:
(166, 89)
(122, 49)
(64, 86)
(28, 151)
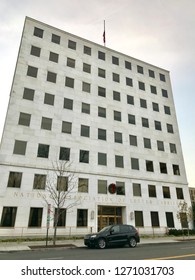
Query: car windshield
(105, 229)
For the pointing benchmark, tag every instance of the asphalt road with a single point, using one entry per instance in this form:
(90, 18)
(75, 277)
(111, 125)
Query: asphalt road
(166, 251)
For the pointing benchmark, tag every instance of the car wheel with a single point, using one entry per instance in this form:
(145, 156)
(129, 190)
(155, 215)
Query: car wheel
(132, 242)
(101, 243)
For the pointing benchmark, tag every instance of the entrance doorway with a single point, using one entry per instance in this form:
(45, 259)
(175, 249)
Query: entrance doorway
(109, 215)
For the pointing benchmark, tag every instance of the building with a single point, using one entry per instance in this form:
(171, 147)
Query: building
(192, 194)
(112, 116)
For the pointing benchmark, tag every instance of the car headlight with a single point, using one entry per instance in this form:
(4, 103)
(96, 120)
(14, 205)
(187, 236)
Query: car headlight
(93, 236)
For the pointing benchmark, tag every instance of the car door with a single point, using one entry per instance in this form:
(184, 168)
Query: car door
(114, 235)
(124, 232)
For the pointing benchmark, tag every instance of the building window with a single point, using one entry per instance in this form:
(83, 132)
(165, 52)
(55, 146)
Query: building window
(172, 148)
(179, 193)
(115, 60)
(66, 127)
(143, 103)
(129, 82)
(118, 137)
(87, 50)
(64, 154)
(120, 188)
(130, 99)
(162, 77)
(85, 131)
(145, 122)
(101, 134)
(43, 151)
(133, 140)
(101, 92)
(68, 104)
(53, 57)
(157, 125)
(72, 45)
(117, 116)
(101, 55)
(32, 71)
(116, 96)
(163, 167)
(8, 217)
(151, 191)
(24, 119)
(38, 32)
(35, 217)
(169, 219)
(84, 156)
(167, 110)
(20, 147)
(147, 143)
(160, 145)
(28, 94)
(141, 85)
(154, 219)
(135, 163)
(151, 73)
(128, 65)
(170, 128)
(49, 99)
(164, 93)
(102, 159)
(35, 51)
(139, 221)
(70, 62)
(184, 220)
(102, 186)
(86, 68)
(176, 169)
(101, 73)
(86, 87)
(131, 119)
(116, 77)
(155, 107)
(46, 123)
(82, 217)
(137, 189)
(85, 108)
(83, 185)
(69, 82)
(140, 69)
(39, 182)
(119, 161)
(15, 179)
(51, 77)
(55, 39)
(62, 183)
(61, 217)
(166, 192)
(149, 166)
(153, 89)
(101, 112)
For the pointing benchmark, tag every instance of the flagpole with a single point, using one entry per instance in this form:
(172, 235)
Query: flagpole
(104, 35)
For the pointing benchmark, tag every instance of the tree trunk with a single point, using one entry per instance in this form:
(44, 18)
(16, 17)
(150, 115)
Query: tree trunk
(55, 226)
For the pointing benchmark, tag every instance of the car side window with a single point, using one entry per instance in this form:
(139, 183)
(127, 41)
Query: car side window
(115, 229)
(124, 228)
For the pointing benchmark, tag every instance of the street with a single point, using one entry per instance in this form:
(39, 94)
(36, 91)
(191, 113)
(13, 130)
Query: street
(166, 251)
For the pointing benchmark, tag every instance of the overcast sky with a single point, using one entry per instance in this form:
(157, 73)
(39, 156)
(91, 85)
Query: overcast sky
(160, 32)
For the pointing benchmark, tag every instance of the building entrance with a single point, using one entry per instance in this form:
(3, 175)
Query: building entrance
(109, 215)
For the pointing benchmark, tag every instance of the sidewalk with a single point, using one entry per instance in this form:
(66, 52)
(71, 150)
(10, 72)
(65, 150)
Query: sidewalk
(30, 245)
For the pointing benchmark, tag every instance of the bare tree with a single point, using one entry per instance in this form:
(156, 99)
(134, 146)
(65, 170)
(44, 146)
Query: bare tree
(184, 215)
(60, 186)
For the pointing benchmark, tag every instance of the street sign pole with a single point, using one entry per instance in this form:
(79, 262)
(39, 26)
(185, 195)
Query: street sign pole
(48, 222)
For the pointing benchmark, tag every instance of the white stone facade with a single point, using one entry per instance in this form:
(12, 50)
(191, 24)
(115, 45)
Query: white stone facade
(132, 116)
